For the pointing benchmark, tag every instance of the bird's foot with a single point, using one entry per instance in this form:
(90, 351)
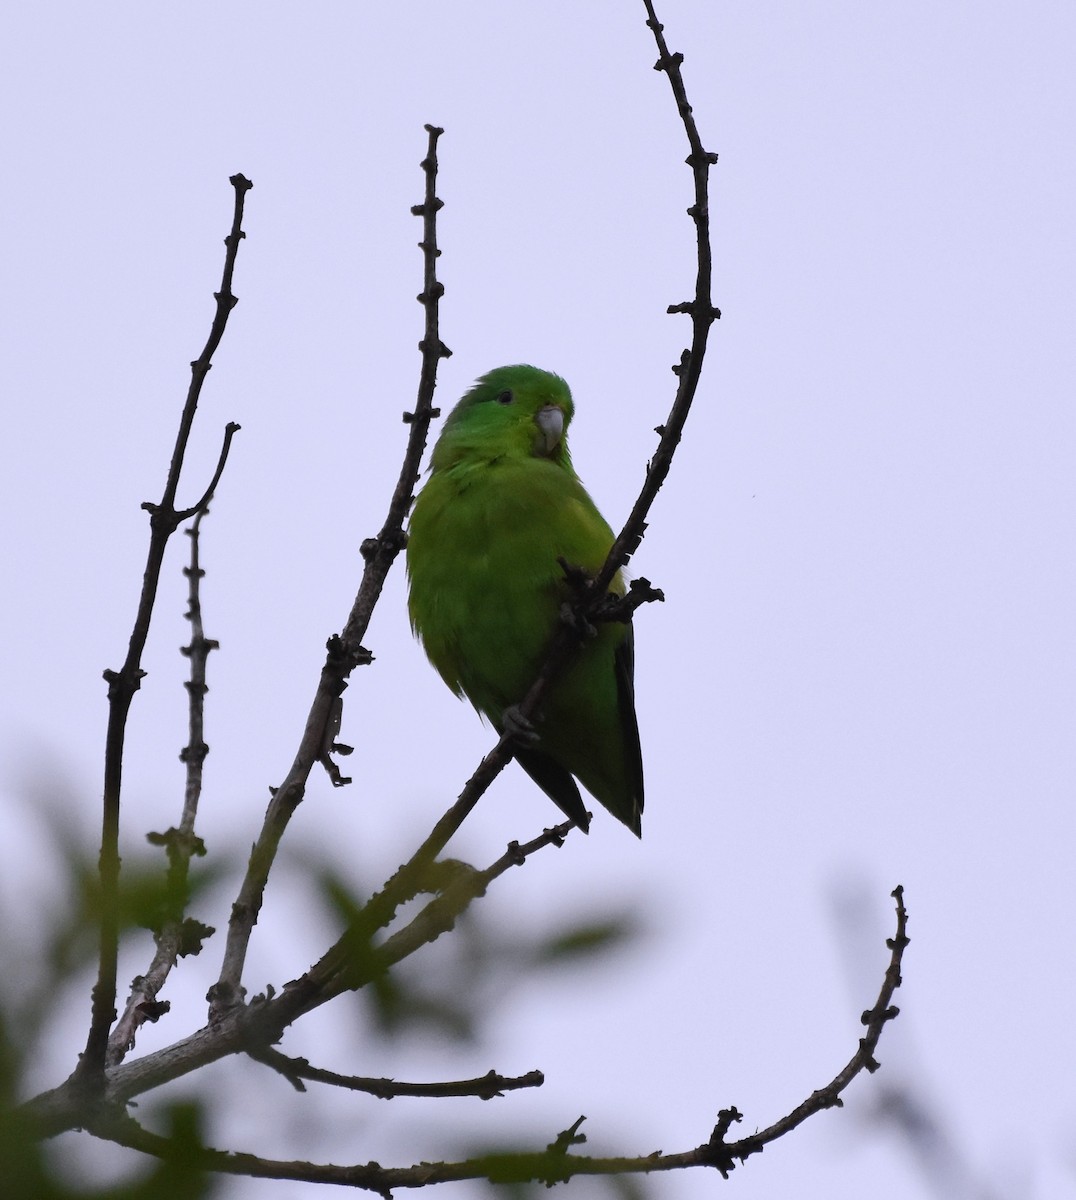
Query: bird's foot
(576, 622)
(518, 727)
(576, 578)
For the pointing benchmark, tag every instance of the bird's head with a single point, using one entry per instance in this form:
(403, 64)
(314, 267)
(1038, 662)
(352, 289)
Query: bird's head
(511, 411)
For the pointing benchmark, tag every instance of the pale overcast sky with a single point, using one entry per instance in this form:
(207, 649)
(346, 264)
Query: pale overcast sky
(863, 674)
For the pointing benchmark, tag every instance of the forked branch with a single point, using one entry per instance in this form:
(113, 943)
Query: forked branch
(122, 684)
(177, 935)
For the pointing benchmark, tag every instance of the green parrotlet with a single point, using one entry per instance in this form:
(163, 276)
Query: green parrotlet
(502, 506)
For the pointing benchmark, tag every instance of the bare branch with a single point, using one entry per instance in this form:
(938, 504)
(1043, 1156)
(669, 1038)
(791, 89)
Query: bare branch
(486, 1087)
(556, 1163)
(230, 430)
(345, 651)
(701, 310)
(123, 684)
(177, 936)
(381, 551)
(863, 1060)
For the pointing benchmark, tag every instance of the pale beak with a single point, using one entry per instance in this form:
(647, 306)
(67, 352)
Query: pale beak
(550, 422)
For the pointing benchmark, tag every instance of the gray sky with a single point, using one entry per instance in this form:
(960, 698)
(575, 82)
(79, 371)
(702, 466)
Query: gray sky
(864, 671)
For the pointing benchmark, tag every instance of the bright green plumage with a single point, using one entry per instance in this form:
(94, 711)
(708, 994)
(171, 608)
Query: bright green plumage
(502, 504)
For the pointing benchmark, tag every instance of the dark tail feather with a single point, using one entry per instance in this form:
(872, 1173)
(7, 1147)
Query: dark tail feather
(625, 679)
(557, 783)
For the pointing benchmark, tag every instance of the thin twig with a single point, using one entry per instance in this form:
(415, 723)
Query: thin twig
(701, 309)
(411, 878)
(874, 1019)
(345, 651)
(486, 1087)
(230, 430)
(122, 684)
(176, 935)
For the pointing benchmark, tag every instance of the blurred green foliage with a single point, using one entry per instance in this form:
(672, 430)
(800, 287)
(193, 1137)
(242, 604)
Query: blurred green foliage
(450, 990)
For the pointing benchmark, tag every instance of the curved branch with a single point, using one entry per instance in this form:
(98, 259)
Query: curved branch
(230, 430)
(556, 1163)
(701, 310)
(829, 1096)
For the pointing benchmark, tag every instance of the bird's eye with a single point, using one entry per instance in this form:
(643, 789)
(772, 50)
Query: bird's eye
(505, 397)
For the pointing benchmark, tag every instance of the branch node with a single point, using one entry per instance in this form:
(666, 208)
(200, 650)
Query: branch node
(439, 348)
(567, 1138)
(430, 413)
(874, 1014)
